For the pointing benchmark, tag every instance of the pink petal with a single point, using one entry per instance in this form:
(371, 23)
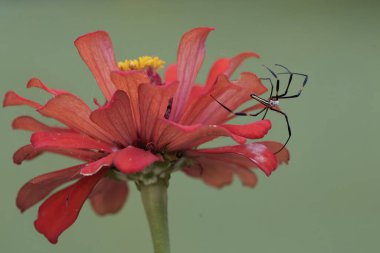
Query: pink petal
(39, 187)
(116, 118)
(258, 154)
(227, 66)
(130, 82)
(61, 210)
(74, 113)
(175, 136)
(132, 160)
(97, 52)
(109, 196)
(67, 140)
(254, 130)
(170, 74)
(153, 101)
(191, 52)
(27, 152)
(37, 83)
(92, 168)
(283, 156)
(11, 98)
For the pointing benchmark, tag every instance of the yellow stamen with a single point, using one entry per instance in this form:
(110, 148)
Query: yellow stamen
(142, 62)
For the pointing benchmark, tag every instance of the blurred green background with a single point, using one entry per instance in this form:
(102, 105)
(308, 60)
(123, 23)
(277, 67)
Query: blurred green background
(325, 200)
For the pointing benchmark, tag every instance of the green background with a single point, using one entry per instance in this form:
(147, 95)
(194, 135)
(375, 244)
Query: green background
(325, 200)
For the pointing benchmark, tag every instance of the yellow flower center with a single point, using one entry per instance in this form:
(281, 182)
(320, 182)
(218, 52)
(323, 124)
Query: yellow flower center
(143, 62)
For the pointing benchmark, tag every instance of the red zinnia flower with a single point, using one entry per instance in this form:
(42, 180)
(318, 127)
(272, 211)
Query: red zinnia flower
(144, 121)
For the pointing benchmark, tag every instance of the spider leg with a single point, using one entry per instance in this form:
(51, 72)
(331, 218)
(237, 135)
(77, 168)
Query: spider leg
(239, 113)
(299, 92)
(289, 81)
(277, 82)
(262, 101)
(289, 129)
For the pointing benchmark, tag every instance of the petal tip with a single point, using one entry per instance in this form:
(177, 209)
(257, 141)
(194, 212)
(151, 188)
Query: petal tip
(90, 35)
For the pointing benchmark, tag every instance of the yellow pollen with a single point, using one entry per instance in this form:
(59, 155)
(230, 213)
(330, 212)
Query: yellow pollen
(143, 62)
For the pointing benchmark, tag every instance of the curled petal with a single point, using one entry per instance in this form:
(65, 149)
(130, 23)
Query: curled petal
(283, 156)
(117, 118)
(67, 140)
(74, 113)
(97, 52)
(227, 66)
(61, 209)
(109, 196)
(191, 52)
(11, 98)
(92, 168)
(27, 152)
(132, 160)
(254, 130)
(37, 83)
(31, 124)
(153, 100)
(130, 82)
(257, 154)
(39, 187)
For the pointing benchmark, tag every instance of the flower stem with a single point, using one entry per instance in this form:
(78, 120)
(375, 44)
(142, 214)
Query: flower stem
(155, 201)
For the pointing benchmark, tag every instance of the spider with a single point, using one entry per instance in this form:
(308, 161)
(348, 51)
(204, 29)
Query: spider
(273, 101)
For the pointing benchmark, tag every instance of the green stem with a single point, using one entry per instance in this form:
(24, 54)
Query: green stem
(155, 201)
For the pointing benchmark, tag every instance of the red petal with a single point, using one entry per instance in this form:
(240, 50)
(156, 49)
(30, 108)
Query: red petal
(258, 154)
(67, 140)
(74, 113)
(61, 210)
(170, 74)
(191, 52)
(31, 124)
(109, 196)
(37, 83)
(153, 101)
(26, 152)
(84, 155)
(254, 130)
(97, 52)
(132, 160)
(173, 136)
(92, 168)
(39, 187)
(130, 82)
(117, 119)
(231, 94)
(283, 156)
(217, 170)
(227, 66)
(11, 98)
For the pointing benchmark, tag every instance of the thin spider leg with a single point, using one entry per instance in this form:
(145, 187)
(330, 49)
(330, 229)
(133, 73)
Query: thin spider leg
(300, 91)
(289, 80)
(271, 84)
(239, 113)
(289, 130)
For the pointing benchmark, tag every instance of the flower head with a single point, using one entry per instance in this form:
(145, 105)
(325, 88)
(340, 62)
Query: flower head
(148, 128)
